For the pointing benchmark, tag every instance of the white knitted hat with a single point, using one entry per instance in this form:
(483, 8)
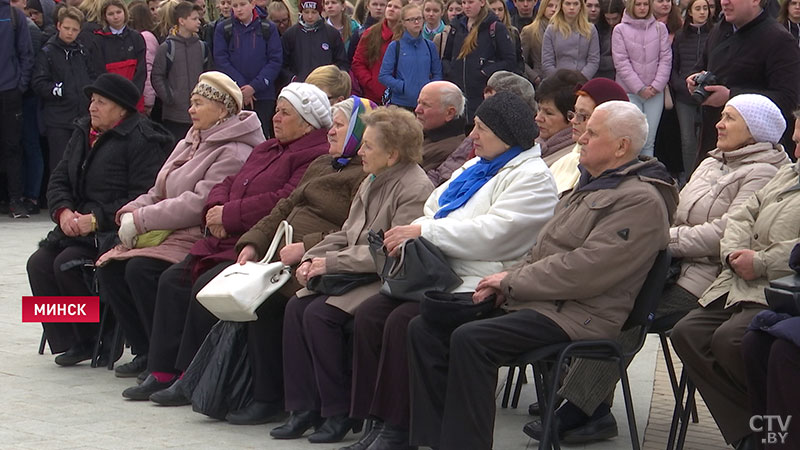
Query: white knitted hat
(310, 102)
(762, 116)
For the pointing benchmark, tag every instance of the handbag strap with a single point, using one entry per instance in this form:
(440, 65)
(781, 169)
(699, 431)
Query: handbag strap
(284, 231)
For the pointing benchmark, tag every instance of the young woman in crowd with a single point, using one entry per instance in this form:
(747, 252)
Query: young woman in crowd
(410, 61)
(687, 49)
(666, 12)
(375, 10)
(479, 227)
(594, 11)
(478, 46)
(337, 17)
(789, 17)
(142, 21)
(118, 48)
(610, 16)
(452, 8)
(498, 7)
(570, 41)
(432, 11)
(158, 228)
(113, 155)
(317, 381)
(371, 49)
(643, 59)
(279, 15)
(556, 96)
(271, 172)
(531, 38)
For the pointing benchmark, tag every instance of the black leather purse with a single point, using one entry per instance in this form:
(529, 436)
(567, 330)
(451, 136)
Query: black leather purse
(419, 268)
(340, 283)
(449, 311)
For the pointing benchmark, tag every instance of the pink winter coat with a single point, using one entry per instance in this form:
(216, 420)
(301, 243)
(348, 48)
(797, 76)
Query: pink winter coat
(642, 54)
(177, 200)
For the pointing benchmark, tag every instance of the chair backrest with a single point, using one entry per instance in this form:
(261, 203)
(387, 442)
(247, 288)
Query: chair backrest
(646, 302)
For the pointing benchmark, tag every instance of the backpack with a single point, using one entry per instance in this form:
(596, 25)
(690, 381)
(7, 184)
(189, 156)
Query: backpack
(387, 94)
(227, 29)
(448, 43)
(171, 54)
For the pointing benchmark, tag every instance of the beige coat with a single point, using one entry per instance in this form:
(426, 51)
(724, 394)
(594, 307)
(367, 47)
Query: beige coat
(723, 181)
(768, 223)
(395, 197)
(592, 257)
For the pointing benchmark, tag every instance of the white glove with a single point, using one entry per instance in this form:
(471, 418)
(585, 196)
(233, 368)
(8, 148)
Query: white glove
(127, 231)
(57, 90)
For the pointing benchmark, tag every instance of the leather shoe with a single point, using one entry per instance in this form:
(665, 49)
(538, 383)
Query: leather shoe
(133, 368)
(171, 396)
(76, 354)
(534, 410)
(147, 388)
(367, 438)
(299, 422)
(335, 429)
(391, 438)
(599, 429)
(747, 443)
(255, 413)
(142, 376)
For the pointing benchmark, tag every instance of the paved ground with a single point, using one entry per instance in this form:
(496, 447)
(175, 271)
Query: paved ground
(44, 406)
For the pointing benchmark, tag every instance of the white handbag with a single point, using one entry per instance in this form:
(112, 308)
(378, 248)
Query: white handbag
(239, 290)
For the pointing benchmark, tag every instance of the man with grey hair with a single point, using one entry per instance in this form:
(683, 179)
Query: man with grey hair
(440, 110)
(617, 218)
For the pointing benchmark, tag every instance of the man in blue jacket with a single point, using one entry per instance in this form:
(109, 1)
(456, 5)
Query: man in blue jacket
(16, 52)
(248, 49)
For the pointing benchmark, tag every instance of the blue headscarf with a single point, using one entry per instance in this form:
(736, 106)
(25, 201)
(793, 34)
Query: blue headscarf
(471, 180)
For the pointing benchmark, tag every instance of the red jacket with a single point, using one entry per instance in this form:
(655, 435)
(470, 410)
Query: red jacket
(366, 74)
(271, 173)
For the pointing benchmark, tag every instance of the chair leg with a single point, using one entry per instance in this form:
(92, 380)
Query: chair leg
(99, 339)
(685, 416)
(507, 387)
(677, 412)
(549, 426)
(522, 378)
(673, 379)
(42, 342)
(116, 342)
(626, 393)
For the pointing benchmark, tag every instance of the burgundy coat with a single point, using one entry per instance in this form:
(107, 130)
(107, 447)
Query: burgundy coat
(271, 173)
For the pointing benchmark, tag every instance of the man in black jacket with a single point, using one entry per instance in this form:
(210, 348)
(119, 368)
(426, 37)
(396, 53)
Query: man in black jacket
(748, 52)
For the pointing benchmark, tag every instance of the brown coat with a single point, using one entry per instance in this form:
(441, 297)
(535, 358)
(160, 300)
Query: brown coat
(394, 197)
(317, 207)
(440, 142)
(589, 261)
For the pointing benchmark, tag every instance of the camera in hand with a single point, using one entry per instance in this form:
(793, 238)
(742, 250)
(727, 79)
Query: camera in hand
(700, 94)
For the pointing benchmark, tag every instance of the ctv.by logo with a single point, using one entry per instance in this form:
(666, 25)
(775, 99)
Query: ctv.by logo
(772, 434)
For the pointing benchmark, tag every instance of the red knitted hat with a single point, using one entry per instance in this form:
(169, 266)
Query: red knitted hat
(311, 4)
(603, 90)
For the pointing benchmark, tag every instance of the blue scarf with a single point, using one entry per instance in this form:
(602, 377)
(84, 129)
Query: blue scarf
(471, 180)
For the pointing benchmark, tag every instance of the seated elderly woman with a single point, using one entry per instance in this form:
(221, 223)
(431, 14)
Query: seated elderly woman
(270, 174)
(158, 228)
(556, 97)
(759, 236)
(484, 220)
(113, 156)
(746, 158)
(317, 381)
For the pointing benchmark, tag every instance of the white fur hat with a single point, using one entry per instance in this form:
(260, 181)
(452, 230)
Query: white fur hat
(310, 102)
(762, 116)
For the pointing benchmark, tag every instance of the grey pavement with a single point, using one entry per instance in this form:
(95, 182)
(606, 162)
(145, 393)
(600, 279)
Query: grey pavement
(44, 406)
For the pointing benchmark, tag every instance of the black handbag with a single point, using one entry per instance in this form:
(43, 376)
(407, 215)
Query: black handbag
(419, 268)
(340, 283)
(449, 311)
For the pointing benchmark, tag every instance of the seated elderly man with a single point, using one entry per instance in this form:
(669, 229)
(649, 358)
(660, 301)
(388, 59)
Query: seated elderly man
(758, 240)
(440, 110)
(615, 221)
(500, 81)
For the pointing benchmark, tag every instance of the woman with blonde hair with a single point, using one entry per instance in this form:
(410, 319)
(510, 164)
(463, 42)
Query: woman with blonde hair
(531, 39)
(570, 41)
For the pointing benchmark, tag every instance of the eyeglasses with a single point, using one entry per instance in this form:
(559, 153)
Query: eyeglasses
(417, 19)
(572, 116)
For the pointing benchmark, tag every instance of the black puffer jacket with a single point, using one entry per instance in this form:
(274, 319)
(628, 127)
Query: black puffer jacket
(126, 47)
(304, 51)
(490, 55)
(67, 64)
(122, 165)
(687, 50)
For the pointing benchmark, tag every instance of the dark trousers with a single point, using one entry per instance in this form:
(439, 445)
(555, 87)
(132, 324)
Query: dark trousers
(33, 162)
(57, 139)
(46, 277)
(130, 288)
(454, 375)
(708, 341)
(265, 350)
(11, 141)
(176, 291)
(314, 357)
(773, 368)
(265, 109)
(177, 129)
(380, 360)
(199, 322)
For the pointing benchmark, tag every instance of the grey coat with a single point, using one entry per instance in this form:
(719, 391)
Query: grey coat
(174, 87)
(574, 52)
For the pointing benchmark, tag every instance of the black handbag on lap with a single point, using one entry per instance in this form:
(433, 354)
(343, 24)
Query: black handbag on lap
(449, 311)
(340, 283)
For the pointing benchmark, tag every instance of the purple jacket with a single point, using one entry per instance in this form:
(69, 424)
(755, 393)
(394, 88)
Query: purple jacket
(642, 54)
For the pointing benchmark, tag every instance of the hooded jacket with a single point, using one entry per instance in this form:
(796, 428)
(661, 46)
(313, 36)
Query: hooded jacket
(305, 50)
(16, 50)
(126, 47)
(592, 257)
(407, 70)
(642, 54)
(67, 66)
(174, 88)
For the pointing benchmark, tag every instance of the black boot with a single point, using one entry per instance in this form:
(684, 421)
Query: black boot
(299, 422)
(391, 438)
(256, 413)
(171, 396)
(335, 429)
(367, 438)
